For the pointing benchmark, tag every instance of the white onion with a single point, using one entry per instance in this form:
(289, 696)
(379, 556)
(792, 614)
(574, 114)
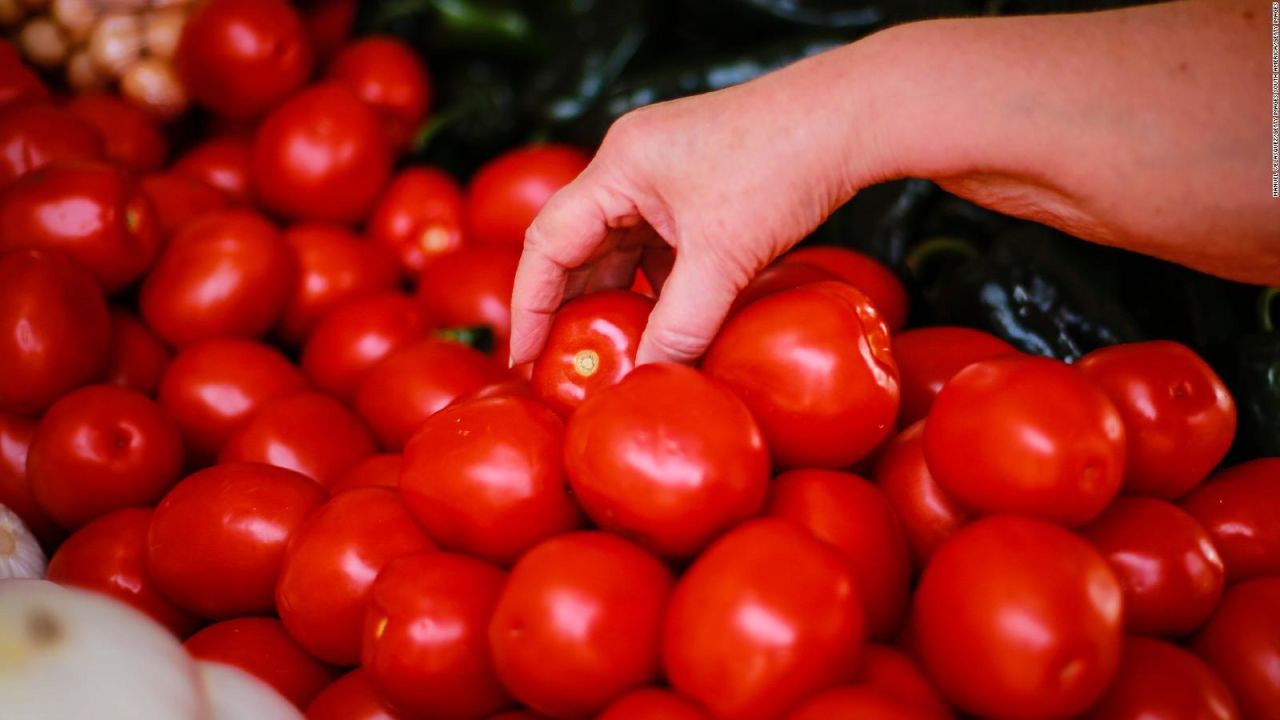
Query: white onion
(234, 694)
(43, 42)
(116, 43)
(162, 29)
(153, 85)
(77, 18)
(68, 653)
(20, 554)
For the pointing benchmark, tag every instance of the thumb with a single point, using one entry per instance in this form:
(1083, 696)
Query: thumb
(691, 306)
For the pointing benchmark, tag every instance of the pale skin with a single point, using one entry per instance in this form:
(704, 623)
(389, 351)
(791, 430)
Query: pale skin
(1145, 128)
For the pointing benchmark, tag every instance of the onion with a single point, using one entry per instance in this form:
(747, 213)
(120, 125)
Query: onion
(162, 29)
(236, 695)
(11, 12)
(20, 554)
(68, 653)
(153, 85)
(77, 17)
(83, 75)
(43, 42)
(116, 43)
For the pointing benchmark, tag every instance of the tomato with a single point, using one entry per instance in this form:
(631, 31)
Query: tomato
(440, 675)
(486, 478)
(336, 265)
(328, 24)
(351, 697)
(592, 345)
(54, 329)
(15, 489)
(508, 191)
(1028, 435)
(578, 623)
(217, 540)
(34, 135)
(928, 357)
(261, 647)
(322, 155)
(472, 286)
(419, 216)
(876, 281)
(1161, 681)
(776, 278)
(240, 57)
(825, 389)
(391, 78)
(330, 566)
(215, 386)
(653, 704)
(102, 448)
(227, 273)
(1242, 643)
(856, 703)
(516, 715)
(1016, 617)
(108, 556)
(856, 518)
(130, 136)
(221, 162)
(894, 673)
(355, 336)
(380, 470)
(18, 84)
(1239, 507)
(765, 617)
(137, 359)
(309, 432)
(928, 515)
(178, 199)
(415, 382)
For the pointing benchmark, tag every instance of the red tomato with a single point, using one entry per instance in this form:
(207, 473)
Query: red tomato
(653, 704)
(592, 345)
(929, 357)
(261, 647)
(227, 273)
(1028, 435)
(876, 281)
(814, 366)
(1239, 507)
(102, 448)
(18, 84)
(472, 286)
(415, 382)
(486, 478)
(222, 163)
(353, 337)
(351, 697)
(178, 199)
(1242, 643)
(217, 540)
(419, 216)
(765, 617)
(578, 623)
(516, 715)
(15, 489)
(215, 386)
(391, 78)
(381, 470)
(109, 556)
(894, 673)
(927, 513)
(130, 136)
(330, 566)
(667, 457)
(856, 518)
(137, 359)
(336, 265)
(54, 329)
(508, 191)
(442, 675)
(240, 57)
(1161, 681)
(322, 155)
(1016, 617)
(34, 135)
(776, 278)
(856, 703)
(328, 24)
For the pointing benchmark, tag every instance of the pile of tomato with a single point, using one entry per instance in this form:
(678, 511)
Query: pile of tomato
(254, 385)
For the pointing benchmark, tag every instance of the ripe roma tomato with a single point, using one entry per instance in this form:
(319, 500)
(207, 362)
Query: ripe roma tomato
(221, 162)
(894, 673)
(876, 281)
(578, 623)
(1161, 681)
(445, 675)
(18, 83)
(335, 265)
(227, 273)
(419, 216)
(330, 566)
(1016, 617)
(506, 194)
(1239, 507)
(36, 134)
(653, 704)
(217, 540)
(137, 359)
(592, 345)
(472, 286)
(1242, 643)
(261, 647)
(351, 697)
(130, 136)
(749, 639)
(381, 470)
(486, 478)
(54, 329)
(102, 448)
(240, 57)
(776, 278)
(328, 24)
(1027, 435)
(322, 155)
(852, 702)
(825, 389)
(928, 357)
(16, 432)
(353, 337)
(928, 515)
(109, 556)
(178, 199)
(391, 78)
(94, 212)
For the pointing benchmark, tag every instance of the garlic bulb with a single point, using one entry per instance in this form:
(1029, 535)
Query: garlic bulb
(20, 554)
(234, 694)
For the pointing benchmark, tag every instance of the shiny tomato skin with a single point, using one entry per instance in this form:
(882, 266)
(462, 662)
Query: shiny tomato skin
(335, 265)
(507, 192)
(876, 281)
(380, 470)
(391, 78)
(261, 647)
(351, 697)
(1158, 680)
(130, 136)
(328, 24)
(34, 135)
(330, 566)
(894, 673)
(16, 432)
(776, 278)
(578, 623)
(472, 286)
(322, 155)
(178, 199)
(1241, 642)
(1239, 507)
(930, 356)
(855, 703)
(241, 57)
(137, 359)
(447, 675)
(748, 644)
(486, 478)
(824, 389)
(1004, 637)
(217, 541)
(358, 334)
(927, 513)
(653, 704)
(223, 163)
(54, 329)
(419, 216)
(1027, 435)
(228, 273)
(18, 83)
(108, 556)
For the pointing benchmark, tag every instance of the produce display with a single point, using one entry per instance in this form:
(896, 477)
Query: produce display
(262, 454)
